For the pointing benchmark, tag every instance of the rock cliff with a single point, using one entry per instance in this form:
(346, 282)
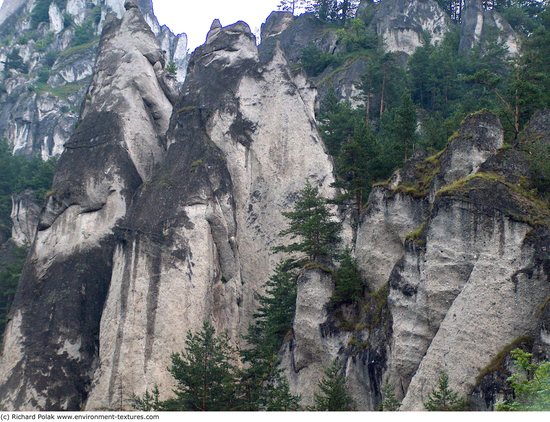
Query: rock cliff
(47, 59)
(166, 205)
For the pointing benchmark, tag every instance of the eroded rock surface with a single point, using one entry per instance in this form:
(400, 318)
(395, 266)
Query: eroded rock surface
(47, 68)
(51, 343)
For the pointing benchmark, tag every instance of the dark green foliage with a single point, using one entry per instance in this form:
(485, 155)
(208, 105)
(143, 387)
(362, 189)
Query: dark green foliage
(357, 36)
(338, 11)
(348, 284)
(10, 274)
(15, 61)
(84, 33)
(383, 84)
(18, 174)
(539, 160)
(404, 128)
(338, 122)
(354, 163)
(263, 386)
(389, 401)
(443, 399)
(43, 75)
(531, 384)
(333, 395)
(171, 68)
(206, 373)
(312, 227)
(39, 12)
(150, 402)
(50, 58)
(314, 61)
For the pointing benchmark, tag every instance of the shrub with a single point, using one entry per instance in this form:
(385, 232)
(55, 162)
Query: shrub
(314, 61)
(40, 12)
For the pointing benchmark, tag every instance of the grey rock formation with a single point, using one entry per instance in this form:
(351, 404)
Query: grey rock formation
(242, 142)
(470, 279)
(479, 25)
(42, 95)
(403, 23)
(24, 215)
(115, 148)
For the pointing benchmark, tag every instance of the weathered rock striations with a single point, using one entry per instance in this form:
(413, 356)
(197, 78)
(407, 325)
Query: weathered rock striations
(52, 339)
(44, 88)
(403, 24)
(24, 215)
(166, 206)
(196, 246)
(479, 25)
(469, 280)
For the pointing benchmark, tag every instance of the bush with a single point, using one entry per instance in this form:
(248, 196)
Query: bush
(539, 161)
(40, 13)
(314, 61)
(84, 33)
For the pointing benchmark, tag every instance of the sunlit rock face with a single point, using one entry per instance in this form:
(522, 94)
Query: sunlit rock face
(41, 100)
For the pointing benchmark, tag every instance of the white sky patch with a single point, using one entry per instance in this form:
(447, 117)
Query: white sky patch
(195, 17)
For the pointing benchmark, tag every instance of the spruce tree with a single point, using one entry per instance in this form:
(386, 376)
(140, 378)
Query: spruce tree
(353, 165)
(312, 227)
(442, 398)
(150, 402)
(348, 284)
(205, 373)
(263, 385)
(405, 125)
(333, 395)
(389, 401)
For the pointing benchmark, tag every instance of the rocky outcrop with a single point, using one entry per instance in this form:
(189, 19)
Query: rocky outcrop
(24, 215)
(469, 280)
(47, 67)
(403, 24)
(52, 338)
(479, 25)
(243, 139)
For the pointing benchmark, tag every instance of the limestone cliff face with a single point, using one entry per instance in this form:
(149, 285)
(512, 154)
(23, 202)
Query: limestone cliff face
(471, 278)
(51, 342)
(402, 24)
(166, 206)
(478, 25)
(242, 142)
(169, 224)
(24, 215)
(46, 68)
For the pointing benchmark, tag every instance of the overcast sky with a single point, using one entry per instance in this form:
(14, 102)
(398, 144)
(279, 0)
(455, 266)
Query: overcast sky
(195, 17)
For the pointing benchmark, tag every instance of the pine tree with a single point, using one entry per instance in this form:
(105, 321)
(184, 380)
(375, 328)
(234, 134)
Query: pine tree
(263, 385)
(389, 401)
(205, 373)
(531, 384)
(405, 125)
(150, 402)
(444, 399)
(353, 164)
(348, 284)
(333, 395)
(312, 226)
